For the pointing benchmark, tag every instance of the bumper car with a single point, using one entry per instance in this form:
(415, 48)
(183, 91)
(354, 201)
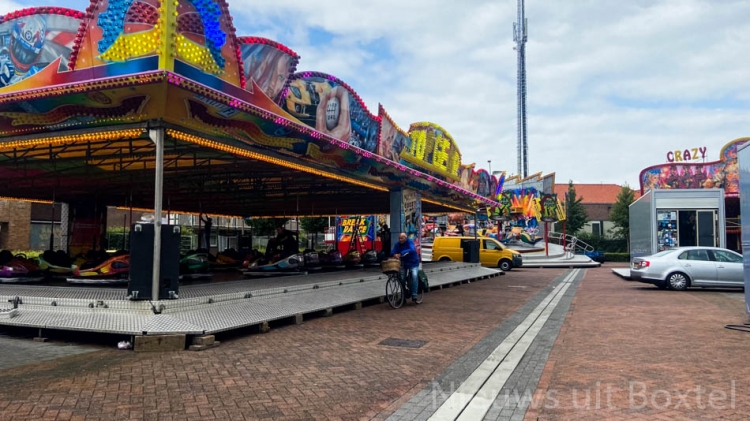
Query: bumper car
(56, 263)
(18, 269)
(371, 258)
(113, 271)
(291, 263)
(251, 258)
(331, 260)
(312, 260)
(353, 259)
(195, 266)
(226, 260)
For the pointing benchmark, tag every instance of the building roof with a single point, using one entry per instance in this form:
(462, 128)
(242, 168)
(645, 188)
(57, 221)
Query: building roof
(593, 193)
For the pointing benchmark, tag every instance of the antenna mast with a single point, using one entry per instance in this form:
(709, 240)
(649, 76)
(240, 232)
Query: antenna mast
(520, 34)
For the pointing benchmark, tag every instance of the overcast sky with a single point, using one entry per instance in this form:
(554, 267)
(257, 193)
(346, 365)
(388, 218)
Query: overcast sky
(613, 85)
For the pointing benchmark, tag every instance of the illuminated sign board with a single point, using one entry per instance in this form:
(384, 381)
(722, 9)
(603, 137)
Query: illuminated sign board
(432, 148)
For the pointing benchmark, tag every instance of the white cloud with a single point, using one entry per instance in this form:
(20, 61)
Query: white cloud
(9, 6)
(613, 85)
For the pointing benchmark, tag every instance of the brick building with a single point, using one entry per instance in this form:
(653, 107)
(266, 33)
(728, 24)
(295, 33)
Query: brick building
(27, 225)
(598, 200)
(15, 227)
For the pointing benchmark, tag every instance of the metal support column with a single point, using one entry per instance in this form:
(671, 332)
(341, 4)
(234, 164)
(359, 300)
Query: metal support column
(397, 216)
(64, 227)
(157, 136)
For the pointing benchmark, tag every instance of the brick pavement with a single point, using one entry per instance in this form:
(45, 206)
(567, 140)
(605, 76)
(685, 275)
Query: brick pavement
(628, 351)
(327, 368)
(429, 399)
(16, 352)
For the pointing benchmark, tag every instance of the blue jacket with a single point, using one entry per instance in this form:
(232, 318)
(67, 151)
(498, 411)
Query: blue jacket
(411, 260)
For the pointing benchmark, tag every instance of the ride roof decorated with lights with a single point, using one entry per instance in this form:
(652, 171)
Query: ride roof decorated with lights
(79, 90)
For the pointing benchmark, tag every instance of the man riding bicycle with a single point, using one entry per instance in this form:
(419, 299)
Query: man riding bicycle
(407, 252)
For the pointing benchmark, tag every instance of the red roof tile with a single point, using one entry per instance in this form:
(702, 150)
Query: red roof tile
(593, 193)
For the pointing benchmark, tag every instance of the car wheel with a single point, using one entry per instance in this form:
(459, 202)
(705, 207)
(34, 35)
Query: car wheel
(678, 281)
(505, 265)
(445, 259)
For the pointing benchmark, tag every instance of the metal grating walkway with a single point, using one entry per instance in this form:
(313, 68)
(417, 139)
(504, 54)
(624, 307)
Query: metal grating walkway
(209, 308)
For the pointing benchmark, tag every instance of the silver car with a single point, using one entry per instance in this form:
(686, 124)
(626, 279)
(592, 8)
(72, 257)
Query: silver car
(685, 267)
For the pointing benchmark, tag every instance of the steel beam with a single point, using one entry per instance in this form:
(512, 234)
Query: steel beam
(157, 136)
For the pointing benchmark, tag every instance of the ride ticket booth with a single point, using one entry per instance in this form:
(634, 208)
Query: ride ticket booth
(665, 219)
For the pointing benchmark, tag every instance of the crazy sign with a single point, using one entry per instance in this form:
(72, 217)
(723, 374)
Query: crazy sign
(681, 155)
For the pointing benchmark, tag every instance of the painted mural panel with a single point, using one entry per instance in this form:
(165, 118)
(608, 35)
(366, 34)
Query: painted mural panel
(719, 174)
(268, 66)
(84, 109)
(549, 207)
(31, 43)
(333, 109)
(484, 184)
(412, 217)
(393, 140)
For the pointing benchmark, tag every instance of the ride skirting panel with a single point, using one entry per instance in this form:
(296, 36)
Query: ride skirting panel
(205, 308)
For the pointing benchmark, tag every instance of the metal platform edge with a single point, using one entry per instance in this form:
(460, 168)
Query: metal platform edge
(176, 319)
(561, 264)
(623, 273)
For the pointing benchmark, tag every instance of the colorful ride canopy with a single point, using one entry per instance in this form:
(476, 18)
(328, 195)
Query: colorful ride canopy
(723, 173)
(179, 61)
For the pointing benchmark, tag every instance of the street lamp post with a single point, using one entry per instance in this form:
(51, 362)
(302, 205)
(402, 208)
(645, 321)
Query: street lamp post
(489, 163)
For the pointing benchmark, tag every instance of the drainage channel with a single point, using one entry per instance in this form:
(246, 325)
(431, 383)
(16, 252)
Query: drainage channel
(475, 396)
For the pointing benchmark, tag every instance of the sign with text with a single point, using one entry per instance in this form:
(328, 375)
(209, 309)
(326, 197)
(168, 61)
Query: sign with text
(684, 155)
(433, 149)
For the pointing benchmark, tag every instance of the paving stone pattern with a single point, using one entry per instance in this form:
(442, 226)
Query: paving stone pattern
(16, 352)
(324, 369)
(517, 393)
(629, 351)
(429, 399)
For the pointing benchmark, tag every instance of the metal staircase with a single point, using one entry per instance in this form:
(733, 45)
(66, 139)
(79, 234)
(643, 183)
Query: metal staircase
(571, 243)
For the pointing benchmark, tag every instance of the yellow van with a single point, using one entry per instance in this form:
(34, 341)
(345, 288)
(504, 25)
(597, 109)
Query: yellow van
(491, 252)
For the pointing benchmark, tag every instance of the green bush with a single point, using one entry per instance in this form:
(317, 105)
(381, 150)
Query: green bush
(604, 243)
(616, 257)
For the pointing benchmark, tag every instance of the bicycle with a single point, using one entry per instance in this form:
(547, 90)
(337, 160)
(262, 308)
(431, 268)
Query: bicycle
(396, 289)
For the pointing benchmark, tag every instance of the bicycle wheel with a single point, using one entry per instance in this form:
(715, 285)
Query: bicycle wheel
(420, 293)
(393, 292)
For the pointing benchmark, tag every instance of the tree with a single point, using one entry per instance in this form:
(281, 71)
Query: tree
(575, 215)
(264, 227)
(314, 226)
(620, 213)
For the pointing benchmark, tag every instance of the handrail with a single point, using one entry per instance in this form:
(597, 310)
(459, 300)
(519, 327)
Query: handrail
(572, 243)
